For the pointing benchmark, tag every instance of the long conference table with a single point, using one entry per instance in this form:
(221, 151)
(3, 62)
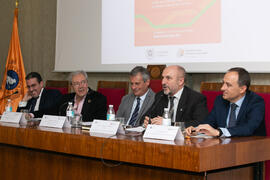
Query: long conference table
(32, 152)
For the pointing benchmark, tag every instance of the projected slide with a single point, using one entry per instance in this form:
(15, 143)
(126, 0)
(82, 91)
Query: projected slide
(170, 22)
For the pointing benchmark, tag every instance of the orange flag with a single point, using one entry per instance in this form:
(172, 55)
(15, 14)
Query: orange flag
(14, 77)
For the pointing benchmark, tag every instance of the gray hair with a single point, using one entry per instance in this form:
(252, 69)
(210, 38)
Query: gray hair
(139, 69)
(71, 75)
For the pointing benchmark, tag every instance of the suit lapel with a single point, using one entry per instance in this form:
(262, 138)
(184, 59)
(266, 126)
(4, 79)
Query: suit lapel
(144, 106)
(129, 106)
(86, 103)
(181, 103)
(42, 99)
(242, 108)
(224, 114)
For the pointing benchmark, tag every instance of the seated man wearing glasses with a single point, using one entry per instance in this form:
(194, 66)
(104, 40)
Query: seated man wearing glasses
(90, 104)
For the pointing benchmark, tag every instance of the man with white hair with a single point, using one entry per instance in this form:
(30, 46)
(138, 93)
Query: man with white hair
(87, 102)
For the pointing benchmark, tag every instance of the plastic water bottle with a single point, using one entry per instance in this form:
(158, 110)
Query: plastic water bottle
(70, 112)
(8, 106)
(166, 117)
(110, 113)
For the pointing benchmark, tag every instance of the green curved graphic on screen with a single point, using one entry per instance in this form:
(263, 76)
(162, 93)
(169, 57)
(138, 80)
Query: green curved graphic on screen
(188, 24)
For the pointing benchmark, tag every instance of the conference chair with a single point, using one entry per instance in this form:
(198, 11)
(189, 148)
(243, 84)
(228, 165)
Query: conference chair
(212, 89)
(114, 91)
(63, 86)
(156, 76)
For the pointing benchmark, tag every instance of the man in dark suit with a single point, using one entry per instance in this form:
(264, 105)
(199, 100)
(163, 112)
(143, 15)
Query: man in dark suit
(185, 104)
(90, 104)
(38, 100)
(238, 112)
(134, 105)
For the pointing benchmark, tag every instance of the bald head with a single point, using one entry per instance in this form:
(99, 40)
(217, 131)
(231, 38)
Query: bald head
(178, 70)
(173, 78)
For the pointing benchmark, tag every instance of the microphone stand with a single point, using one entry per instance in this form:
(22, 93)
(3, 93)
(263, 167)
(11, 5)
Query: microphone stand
(16, 92)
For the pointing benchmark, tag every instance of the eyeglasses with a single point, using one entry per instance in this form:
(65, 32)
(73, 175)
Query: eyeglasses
(76, 84)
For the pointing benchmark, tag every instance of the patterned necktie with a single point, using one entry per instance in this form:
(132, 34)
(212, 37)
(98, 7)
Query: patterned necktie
(135, 113)
(33, 104)
(171, 110)
(232, 119)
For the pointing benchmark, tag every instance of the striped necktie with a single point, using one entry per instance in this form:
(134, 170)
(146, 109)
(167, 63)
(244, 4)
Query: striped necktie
(135, 113)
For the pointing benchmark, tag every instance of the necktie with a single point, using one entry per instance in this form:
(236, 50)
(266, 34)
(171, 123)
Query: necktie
(33, 104)
(232, 119)
(171, 110)
(135, 113)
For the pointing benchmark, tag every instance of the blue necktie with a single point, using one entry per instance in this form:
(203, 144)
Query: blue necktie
(134, 116)
(232, 119)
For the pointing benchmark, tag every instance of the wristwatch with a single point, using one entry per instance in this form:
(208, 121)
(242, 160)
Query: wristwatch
(220, 132)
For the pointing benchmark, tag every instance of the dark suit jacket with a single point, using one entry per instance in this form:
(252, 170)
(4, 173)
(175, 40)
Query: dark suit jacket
(49, 98)
(191, 108)
(250, 120)
(94, 107)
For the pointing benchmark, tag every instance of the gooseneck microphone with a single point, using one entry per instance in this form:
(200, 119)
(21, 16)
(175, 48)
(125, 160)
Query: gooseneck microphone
(61, 107)
(16, 92)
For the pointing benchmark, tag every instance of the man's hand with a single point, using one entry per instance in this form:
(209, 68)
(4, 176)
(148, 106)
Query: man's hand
(26, 97)
(146, 120)
(157, 120)
(190, 130)
(207, 130)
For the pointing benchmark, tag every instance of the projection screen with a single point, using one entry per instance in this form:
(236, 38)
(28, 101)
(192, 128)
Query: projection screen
(201, 35)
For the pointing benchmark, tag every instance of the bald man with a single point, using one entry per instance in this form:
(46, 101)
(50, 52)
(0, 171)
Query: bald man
(185, 104)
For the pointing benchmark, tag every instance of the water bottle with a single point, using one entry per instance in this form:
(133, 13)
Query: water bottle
(110, 113)
(8, 106)
(70, 112)
(166, 117)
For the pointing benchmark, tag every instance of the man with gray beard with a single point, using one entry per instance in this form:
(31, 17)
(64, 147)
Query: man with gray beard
(185, 104)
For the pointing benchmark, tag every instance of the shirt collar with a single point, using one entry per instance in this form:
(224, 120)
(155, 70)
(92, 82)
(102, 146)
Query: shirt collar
(240, 101)
(179, 93)
(143, 96)
(40, 93)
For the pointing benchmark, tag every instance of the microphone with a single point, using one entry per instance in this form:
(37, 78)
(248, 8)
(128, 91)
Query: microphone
(16, 92)
(61, 107)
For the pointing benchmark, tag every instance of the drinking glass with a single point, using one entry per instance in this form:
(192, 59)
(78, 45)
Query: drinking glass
(76, 121)
(25, 115)
(181, 125)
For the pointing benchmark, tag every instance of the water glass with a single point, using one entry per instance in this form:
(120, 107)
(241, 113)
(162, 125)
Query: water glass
(181, 125)
(25, 115)
(76, 121)
(120, 119)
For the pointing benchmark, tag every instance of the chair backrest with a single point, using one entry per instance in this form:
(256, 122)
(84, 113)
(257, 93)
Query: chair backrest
(156, 76)
(62, 86)
(114, 91)
(155, 85)
(211, 90)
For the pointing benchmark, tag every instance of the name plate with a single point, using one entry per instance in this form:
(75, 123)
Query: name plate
(163, 132)
(11, 117)
(104, 127)
(53, 121)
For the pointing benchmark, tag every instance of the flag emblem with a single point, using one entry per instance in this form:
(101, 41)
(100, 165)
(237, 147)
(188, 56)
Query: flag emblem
(12, 80)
